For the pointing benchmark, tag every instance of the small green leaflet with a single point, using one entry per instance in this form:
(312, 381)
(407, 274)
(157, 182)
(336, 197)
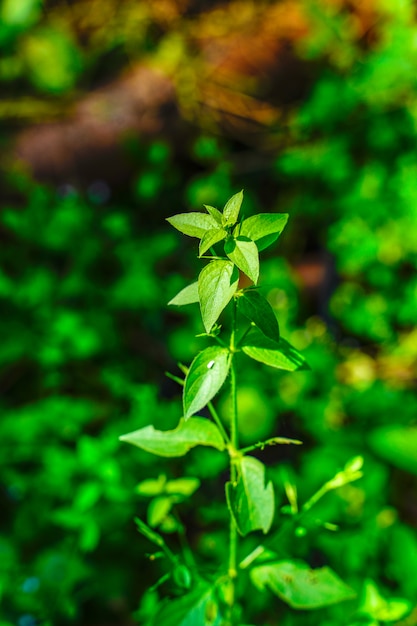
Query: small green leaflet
(244, 253)
(258, 310)
(210, 238)
(214, 213)
(232, 208)
(188, 295)
(182, 486)
(301, 587)
(251, 502)
(205, 377)
(217, 283)
(193, 224)
(264, 228)
(278, 354)
(199, 608)
(177, 442)
(158, 509)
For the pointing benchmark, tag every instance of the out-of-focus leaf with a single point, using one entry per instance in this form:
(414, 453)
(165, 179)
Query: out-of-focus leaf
(396, 444)
(53, 60)
(199, 608)
(381, 609)
(300, 586)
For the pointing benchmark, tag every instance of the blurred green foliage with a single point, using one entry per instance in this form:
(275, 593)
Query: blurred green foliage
(86, 334)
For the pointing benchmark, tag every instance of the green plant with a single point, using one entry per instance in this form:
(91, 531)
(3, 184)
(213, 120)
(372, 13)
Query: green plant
(254, 333)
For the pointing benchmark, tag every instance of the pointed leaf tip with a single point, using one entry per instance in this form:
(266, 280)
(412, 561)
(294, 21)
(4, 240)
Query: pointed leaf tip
(193, 224)
(232, 208)
(279, 354)
(177, 442)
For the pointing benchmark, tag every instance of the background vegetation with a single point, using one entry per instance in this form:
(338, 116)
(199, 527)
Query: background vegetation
(115, 115)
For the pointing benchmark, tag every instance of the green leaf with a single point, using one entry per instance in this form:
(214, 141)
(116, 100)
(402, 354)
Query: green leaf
(244, 253)
(301, 587)
(249, 500)
(152, 486)
(258, 310)
(217, 283)
(188, 295)
(232, 208)
(396, 444)
(182, 486)
(210, 238)
(193, 224)
(199, 608)
(158, 509)
(215, 213)
(205, 377)
(177, 442)
(264, 228)
(278, 354)
(377, 607)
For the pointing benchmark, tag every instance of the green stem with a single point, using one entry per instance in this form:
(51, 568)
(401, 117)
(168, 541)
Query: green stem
(270, 442)
(244, 334)
(210, 407)
(234, 440)
(219, 423)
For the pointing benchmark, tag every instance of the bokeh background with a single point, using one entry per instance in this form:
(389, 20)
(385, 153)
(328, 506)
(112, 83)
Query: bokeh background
(115, 114)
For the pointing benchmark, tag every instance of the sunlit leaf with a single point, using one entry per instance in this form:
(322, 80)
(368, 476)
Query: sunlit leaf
(188, 295)
(258, 310)
(280, 354)
(214, 213)
(173, 443)
(205, 377)
(244, 253)
(250, 501)
(210, 238)
(232, 208)
(300, 586)
(193, 224)
(217, 283)
(264, 228)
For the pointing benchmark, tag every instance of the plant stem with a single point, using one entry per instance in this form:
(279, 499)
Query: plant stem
(234, 439)
(218, 421)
